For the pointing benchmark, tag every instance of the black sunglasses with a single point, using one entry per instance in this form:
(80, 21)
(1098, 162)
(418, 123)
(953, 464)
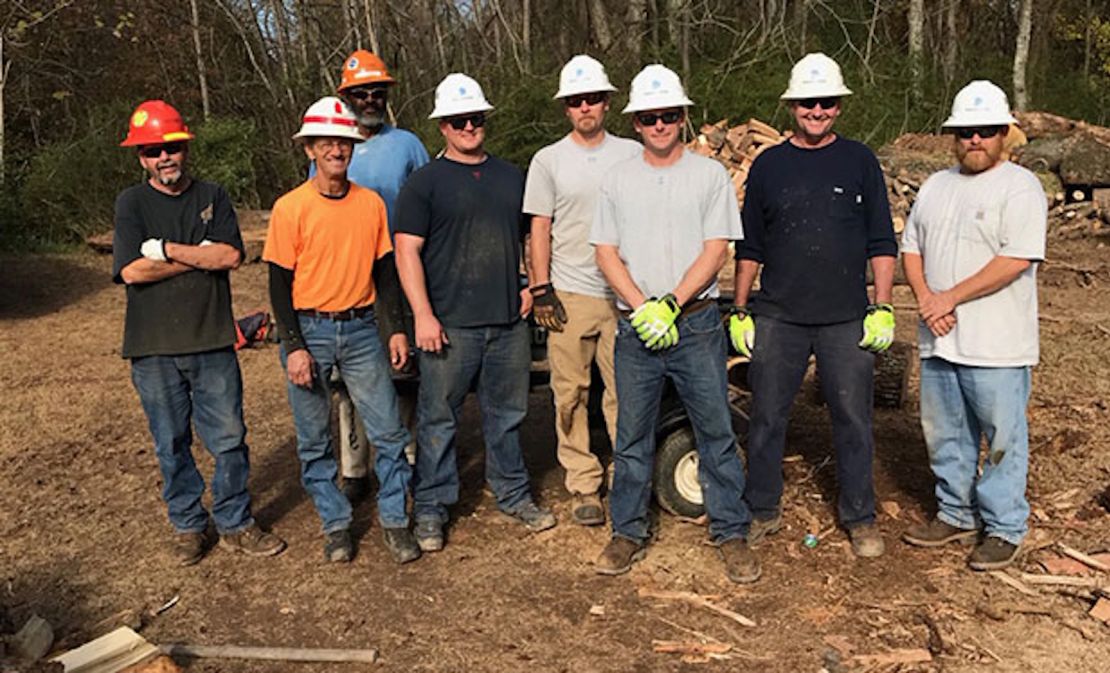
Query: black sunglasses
(477, 120)
(592, 98)
(984, 132)
(378, 93)
(649, 118)
(155, 151)
(825, 103)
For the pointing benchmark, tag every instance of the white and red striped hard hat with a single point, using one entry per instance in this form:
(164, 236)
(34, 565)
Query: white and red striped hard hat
(329, 117)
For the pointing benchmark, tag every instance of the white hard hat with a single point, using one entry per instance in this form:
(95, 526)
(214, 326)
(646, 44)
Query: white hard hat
(981, 103)
(458, 94)
(656, 87)
(583, 74)
(815, 76)
(329, 117)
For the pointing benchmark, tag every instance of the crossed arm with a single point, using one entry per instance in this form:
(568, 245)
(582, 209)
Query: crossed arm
(182, 258)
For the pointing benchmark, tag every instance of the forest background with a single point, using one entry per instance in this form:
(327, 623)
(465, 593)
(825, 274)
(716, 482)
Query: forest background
(243, 71)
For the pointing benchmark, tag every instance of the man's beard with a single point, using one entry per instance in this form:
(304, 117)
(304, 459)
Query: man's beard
(170, 180)
(372, 118)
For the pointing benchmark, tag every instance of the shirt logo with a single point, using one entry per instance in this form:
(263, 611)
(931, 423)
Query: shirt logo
(206, 214)
(477, 174)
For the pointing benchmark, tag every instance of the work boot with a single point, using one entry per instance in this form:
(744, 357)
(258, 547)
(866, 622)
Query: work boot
(338, 547)
(189, 548)
(355, 488)
(618, 556)
(429, 535)
(937, 533)
(867, 540)
(761, 528)
(586, 510)
(741, 565)
(993, 553)
(253, 541)
(401, 544)
(533, 517)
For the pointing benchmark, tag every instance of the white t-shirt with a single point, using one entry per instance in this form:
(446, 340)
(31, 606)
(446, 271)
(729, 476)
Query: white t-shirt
(659, 218)
(958, 224)
(562, 184)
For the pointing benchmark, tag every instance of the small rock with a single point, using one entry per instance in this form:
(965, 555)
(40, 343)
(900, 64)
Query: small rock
(597, 610)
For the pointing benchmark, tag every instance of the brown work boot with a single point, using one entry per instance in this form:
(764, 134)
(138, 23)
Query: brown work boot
(937, 533)
(586, 510)
(253, 541)
(761, 528)
(993, 553)
(741, 565)
(189, 548)
(618, 556)
(867, 540)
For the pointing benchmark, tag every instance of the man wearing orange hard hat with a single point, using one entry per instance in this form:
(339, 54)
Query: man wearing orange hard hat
(381, 162)
(176, 239)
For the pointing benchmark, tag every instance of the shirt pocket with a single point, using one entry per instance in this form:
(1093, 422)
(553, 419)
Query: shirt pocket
(978, 227)
(845, 203)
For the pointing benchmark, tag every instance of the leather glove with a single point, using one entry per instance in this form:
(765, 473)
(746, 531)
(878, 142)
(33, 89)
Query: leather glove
(654, 322)
(878, 328)
(155, 249)
(741, 330)
(547, 308)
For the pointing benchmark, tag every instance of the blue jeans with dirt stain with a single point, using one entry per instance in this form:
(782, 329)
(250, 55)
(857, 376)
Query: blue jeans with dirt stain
(697, 367)
(205, 389)
(355, 348)
(497, 358)
(775, 374)
(960, 405)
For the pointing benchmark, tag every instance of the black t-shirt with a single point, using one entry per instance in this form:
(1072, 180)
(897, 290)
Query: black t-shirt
(813, 218)
(189, 312)
(470, 217)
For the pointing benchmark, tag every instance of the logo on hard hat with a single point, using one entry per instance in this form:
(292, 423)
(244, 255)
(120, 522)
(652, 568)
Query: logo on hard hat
(978, 101)
(462, 90)
(579, 72)
(352, 63)
(655, 84)
(338, 108)
(139, 118)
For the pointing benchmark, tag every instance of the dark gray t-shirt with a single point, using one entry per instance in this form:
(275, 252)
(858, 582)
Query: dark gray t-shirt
(189, 312)
(469, 216)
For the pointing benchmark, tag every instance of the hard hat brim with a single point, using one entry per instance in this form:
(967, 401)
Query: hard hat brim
(327, 131)
(964, 121)
(815, 92)
(575, 91)
(173, 137)
(662, 104)
(440, 113)
(384, 79)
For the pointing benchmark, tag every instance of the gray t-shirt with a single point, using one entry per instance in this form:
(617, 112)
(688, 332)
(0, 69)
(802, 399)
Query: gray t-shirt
(562, 184)
(958, 224)
(659, 218)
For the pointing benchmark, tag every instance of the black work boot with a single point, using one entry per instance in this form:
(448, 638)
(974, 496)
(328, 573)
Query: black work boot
(937, 533)
(741, 565)
(401, 543)
(338, 547)
(618, 556)
(993, 553)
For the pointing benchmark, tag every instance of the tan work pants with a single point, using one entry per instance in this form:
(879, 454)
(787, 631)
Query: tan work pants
(589, 335)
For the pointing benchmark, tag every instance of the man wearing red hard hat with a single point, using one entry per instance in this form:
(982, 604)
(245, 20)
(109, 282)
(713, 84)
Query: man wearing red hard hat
(176, 239)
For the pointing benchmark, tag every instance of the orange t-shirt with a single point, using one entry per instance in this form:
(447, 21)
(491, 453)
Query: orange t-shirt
(330, 244)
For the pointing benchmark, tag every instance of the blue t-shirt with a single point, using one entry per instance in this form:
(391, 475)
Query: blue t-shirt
(383, 162)
(813, 218)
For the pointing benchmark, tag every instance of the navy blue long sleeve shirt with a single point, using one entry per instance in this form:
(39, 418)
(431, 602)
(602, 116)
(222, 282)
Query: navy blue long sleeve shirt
(813, 218)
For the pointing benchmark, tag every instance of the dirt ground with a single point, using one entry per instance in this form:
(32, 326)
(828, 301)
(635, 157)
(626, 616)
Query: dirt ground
(82, 530)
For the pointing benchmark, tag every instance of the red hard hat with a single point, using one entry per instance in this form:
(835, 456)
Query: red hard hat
(155, 122)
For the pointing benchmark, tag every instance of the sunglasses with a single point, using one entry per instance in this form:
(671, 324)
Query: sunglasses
(825, 103)
(592, 98)
(379, 93)
(155, 151)
(984, 132)
(477, 120)
(668, 117)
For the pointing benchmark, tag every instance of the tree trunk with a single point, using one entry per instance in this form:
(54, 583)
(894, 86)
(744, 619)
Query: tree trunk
(371, 34)
(1021, 55)
(202, 76)
(634, 28)
(526, 31)
(599, 22)
(801, 24)
(1087, 43)
(4, 65)
(952, 41)
(916, 21)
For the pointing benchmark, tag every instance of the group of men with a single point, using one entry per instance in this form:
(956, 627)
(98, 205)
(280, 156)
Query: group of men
(626, 243)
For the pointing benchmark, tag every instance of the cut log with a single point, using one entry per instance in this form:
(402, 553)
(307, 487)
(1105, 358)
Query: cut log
(764, 129)
(1086, 162)
(910, 656)
(700, 601)
(270, 653)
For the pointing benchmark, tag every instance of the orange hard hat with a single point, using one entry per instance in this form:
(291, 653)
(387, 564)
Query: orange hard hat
(361, 68)
(155, 122)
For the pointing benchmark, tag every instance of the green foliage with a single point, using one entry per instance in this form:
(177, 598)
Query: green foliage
(225, 151)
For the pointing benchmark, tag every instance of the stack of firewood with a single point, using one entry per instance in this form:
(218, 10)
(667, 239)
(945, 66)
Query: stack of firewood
(736, 147)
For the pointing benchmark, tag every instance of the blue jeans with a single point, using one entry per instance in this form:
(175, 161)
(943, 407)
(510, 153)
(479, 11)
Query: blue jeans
(205, 388)
(498, 357)
(696, 365)
(959, 405)
(354, 347)
(775, 374)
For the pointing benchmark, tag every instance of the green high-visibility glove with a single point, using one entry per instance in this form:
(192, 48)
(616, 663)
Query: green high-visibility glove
(741, 330)
(654, 322)
(878, 328)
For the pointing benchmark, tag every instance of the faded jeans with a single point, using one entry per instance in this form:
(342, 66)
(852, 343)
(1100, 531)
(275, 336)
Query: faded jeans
(205, 389)
(960, 404)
